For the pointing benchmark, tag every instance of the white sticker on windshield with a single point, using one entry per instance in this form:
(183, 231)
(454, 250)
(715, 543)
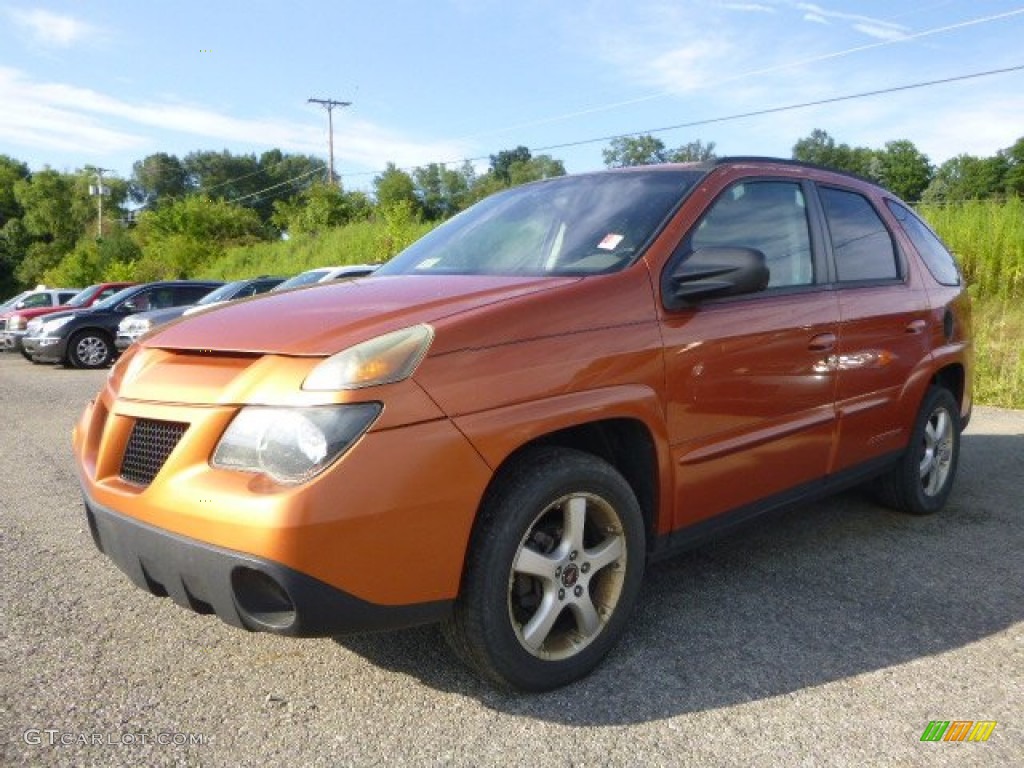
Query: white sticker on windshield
(610, 242)
(427, 263)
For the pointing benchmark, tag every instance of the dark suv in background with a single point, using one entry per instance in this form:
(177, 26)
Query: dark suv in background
(85, 339)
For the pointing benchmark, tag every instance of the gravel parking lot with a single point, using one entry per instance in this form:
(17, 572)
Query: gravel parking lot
(830, 634)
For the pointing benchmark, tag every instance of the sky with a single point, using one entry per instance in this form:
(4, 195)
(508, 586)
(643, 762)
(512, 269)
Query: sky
(106, 83)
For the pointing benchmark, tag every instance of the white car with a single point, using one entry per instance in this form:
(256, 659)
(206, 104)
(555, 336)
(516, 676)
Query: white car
(326, 274)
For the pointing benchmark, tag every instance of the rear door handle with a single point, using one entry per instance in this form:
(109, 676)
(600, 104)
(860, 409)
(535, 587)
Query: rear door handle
(823, 342)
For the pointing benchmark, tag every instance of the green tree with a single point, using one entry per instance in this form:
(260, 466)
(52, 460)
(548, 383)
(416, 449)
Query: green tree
(903, 169)
(178, 239)
(96, 260)
(56, 211)
(966, 177)
(693, 152)
(320, 207)
(442, 192)
(501, 163)
(625, 151)
(14, 240)
(535, 169)
(11, 171)
(393, 187)
(1013, 184)
(158, 178)
(821, 149)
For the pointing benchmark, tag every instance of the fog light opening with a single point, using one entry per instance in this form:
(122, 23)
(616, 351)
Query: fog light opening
(261, 600)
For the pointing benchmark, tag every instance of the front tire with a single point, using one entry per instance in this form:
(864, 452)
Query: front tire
(921, 482)
(90, 349)
(553, 571)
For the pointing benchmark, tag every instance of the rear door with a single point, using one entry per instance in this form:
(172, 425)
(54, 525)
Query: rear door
(751, 409)
(884, 328)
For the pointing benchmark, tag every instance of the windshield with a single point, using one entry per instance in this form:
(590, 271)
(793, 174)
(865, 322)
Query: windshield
(223, 293)
(112, 301)
(13, 300)
(81, 298)
(306, 278)
(573, 225)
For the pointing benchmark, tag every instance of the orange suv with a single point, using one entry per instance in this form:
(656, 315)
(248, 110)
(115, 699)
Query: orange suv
(499, 429)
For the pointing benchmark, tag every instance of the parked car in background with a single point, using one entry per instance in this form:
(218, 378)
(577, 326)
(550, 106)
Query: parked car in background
(239, 289)
(505, 424)
(326, 274)
(131, 328)
(39, 299)
(14, 324)
(85, 338)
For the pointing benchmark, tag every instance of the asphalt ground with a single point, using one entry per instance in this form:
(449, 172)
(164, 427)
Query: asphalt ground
(829, 634)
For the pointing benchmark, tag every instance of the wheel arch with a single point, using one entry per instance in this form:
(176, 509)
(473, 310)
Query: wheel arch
(625, 443)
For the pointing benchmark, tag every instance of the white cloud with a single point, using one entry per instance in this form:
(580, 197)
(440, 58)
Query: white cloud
(876, 28)
(51, 29)
(58, 116)
(748, 7)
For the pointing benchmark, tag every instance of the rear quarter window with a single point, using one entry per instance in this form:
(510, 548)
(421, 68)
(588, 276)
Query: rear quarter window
(862, 247)
(933, 253)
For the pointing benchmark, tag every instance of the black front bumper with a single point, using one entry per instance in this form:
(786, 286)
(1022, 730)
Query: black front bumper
(243, 590)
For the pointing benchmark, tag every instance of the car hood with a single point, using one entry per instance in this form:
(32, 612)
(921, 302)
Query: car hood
(324, 319)
(61, 313)
(28, 314)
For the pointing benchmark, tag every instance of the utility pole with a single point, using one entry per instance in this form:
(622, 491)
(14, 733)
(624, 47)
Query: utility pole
(99, 191)
(329, 105)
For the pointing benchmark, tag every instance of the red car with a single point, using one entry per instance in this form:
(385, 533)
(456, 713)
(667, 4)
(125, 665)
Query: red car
(14, 324)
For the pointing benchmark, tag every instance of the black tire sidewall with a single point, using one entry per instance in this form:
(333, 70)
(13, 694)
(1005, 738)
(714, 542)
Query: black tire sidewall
(76, 339)
(918, 502)
(539, 480)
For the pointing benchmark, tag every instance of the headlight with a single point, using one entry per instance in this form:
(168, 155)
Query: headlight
(52, 326)
(16, 323)
(383, 360)
(34, 325)
(134, 325)
(292, 445)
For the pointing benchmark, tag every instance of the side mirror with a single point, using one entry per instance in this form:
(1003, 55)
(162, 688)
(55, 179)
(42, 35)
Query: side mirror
(714, 272)
(126, 308)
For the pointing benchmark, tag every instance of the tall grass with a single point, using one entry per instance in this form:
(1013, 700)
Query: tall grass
(988, 239)
(364, 242)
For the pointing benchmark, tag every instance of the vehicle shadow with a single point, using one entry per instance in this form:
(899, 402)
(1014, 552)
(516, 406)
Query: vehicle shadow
(812, 595)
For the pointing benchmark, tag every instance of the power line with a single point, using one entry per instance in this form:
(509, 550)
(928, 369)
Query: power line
(728, 118)
(790, 107)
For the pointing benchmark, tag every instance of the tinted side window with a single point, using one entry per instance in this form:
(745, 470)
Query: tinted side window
(936, 257)
(35, 301)
(140, 302)
(106, 293)
(861, 244)
(770, 216)
(190, 294)
(66, 296)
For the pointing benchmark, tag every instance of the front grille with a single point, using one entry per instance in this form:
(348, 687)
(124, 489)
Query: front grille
(150, 444)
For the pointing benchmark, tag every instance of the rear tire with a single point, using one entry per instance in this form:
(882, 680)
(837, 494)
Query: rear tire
(921, 482)
(552, 572)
